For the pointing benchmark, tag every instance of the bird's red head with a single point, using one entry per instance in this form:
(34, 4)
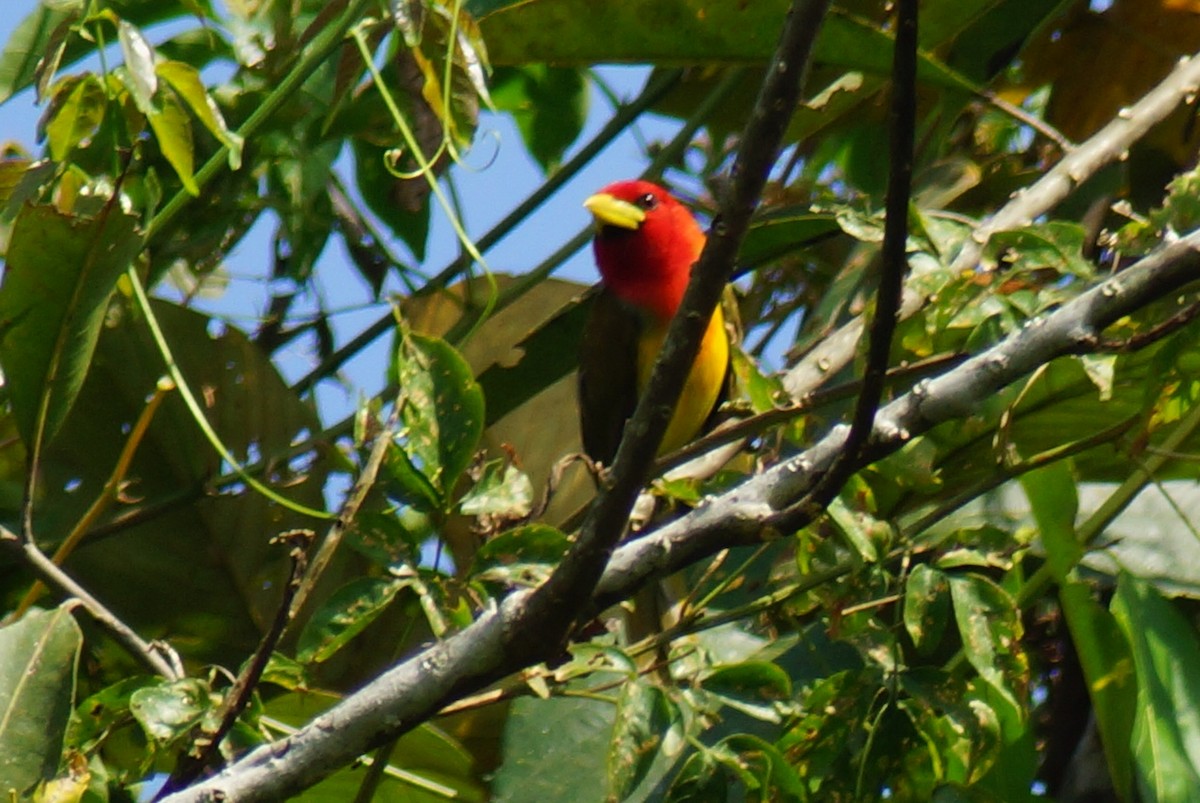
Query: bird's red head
(646, 243)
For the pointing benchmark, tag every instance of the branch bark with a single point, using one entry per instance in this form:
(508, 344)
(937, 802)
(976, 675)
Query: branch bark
(530, 626)
(413, 690)
(751, 511)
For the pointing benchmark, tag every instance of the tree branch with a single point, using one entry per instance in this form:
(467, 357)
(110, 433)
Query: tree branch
(902, 122)
(150, 656)
(1107, 145)
(749, 512)
(528, 626)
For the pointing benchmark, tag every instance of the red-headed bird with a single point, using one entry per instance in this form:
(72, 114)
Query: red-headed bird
(645, 245)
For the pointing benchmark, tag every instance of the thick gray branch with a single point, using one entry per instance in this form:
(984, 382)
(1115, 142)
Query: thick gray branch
(403, 696)
(747, 513)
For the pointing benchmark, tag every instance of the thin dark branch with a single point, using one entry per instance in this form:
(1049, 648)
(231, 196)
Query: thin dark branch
(348, 512)
(902, 119)
(554, 606)
(740, 429)
(192, 765)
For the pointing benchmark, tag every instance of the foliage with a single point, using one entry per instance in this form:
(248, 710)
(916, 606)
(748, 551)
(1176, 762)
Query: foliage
(970, 609)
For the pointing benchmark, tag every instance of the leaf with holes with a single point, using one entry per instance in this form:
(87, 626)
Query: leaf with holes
(646, 724)
(346, 614)
(441, 417)
(61, 270)
(991, 630)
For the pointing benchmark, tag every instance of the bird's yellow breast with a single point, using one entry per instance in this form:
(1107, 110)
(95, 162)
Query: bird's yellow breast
(704, 383)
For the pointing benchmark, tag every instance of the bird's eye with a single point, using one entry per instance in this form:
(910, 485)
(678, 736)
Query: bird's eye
(647, 201)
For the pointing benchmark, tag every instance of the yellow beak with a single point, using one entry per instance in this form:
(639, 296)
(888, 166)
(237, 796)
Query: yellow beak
(611, 211)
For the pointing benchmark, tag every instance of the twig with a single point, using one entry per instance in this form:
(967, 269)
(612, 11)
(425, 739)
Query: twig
(529, 625)
(740, 429)
(1153, 334)
(110, 492)
(152, 657)
(902, 126)
(207, 744)
(1017, 113)
(349, 511)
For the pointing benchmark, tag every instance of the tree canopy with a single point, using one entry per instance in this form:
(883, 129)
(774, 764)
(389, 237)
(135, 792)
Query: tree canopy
(945, 552)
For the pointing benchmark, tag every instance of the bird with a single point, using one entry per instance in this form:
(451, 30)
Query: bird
(645, 244)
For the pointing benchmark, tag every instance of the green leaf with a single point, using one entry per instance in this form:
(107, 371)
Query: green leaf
(381, 190)
(553, 750)
(502, 490)
(762, 768)
(1166, 730)
(169, 710)
(1056, 246)
(43, 28)
(388, 538)
(1108, 668)
(991, 630)
(25, 47)
(38, 659)
(642, 729)
(173, 131)
(926, 606)
(784, 230)
(60, 273)
(139, 65)
(548, 104)
(185, 80)
(756, 688)
(522, 556)
(101, 713)
(856, 528)
(442, 411)
(1054, 502)
(75, 115)
(344, 615)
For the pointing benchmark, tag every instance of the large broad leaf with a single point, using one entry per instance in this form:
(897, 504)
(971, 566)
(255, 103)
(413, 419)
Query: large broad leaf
(554, 750)
(549, 105)
(38, 656)
(991, 633)
(1166, 732)
(195, 562)
(685, 31)
(60, 273)
(1103, 651)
